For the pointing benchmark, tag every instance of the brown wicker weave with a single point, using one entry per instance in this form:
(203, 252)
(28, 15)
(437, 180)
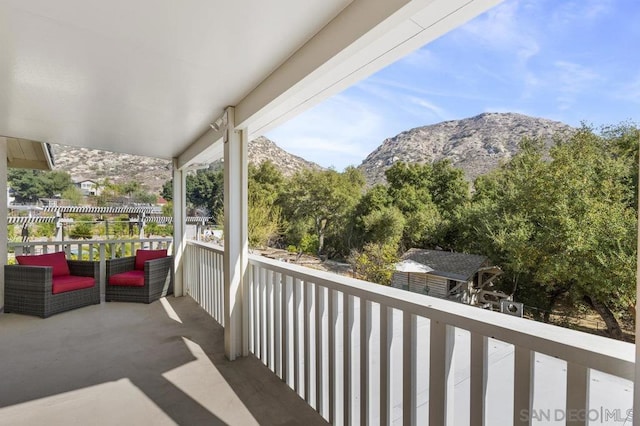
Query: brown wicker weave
(28, 289)
(158, 280)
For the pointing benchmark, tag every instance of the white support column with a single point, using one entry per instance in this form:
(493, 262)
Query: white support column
(235, 237)
(3, 216)
(179, 230)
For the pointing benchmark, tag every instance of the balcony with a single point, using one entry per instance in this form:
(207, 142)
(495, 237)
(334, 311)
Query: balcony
(321, 347)
(128, 363)
(361, 353)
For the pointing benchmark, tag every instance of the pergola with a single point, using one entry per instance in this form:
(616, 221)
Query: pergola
(193, 81)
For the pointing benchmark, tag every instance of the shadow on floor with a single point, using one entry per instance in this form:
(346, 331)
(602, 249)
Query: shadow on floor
(132, 362)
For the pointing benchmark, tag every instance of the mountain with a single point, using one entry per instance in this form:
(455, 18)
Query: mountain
(262, 149)
(91, 164)
(83, 164)
(477, 144)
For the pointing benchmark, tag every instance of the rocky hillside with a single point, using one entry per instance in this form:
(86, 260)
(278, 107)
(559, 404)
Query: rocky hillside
(477, 144)
(84, 163)
(262, 149)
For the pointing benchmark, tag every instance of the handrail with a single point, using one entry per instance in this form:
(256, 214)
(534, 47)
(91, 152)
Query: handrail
(611, 356)
(295, 314)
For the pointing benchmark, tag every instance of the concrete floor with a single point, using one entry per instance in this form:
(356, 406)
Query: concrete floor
(135, 364)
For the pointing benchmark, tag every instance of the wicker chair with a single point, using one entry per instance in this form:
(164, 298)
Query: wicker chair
(158, 280)
(29, 289)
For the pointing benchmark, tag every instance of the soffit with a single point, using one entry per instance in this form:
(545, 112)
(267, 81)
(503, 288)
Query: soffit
(143, 77)
(27, 154)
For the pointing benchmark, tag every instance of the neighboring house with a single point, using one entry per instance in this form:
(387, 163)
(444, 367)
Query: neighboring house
(88, 187)
(457, 276)
(10, 198)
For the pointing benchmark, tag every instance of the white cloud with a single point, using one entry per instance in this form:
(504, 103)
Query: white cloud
(413, 101)
(422, 58)
(424, 104)
(504, 28)
(339, 132)
(630, 91)
(570, 80)
(580, 11)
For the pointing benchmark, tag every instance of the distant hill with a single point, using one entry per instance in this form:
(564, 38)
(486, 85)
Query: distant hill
(476, 145)
(83, 164)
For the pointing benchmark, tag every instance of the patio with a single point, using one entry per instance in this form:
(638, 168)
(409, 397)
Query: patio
(128, 363)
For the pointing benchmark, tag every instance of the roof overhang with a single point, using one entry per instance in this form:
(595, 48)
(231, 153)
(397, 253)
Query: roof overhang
(28, 154)
(148, 77)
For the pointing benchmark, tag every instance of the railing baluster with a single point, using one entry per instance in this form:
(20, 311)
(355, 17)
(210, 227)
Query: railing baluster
(270, 316)
(332, 297)
(296, 336)
(251, 304)
(385, 378)
(479, 357)
(441, 343)
(256, 311)
(577, 394)
(277, 319)
(347, 326)
(306, 294)
(409, 366)
(318, 323)
(523, 386)
(286, 328)
(263, 315)
(365, 335)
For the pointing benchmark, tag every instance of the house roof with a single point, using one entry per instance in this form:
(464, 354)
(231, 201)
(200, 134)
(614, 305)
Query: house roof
(455, 266)
(148, 77)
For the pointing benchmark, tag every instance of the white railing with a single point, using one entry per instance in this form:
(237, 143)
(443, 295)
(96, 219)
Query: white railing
(204, 283)
(361, 353)
(90, 249)
(97, 250)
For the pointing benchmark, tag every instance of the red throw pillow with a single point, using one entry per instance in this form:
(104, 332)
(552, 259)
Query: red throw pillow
(57, 260)
(144, 255)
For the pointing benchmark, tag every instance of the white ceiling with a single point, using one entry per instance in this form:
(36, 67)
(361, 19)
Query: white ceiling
(148, 76)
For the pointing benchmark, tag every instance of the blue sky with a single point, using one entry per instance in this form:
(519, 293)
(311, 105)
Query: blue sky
(568, 60)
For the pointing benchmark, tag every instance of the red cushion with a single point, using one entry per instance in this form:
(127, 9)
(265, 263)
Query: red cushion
(57, 260)
(144, 255)
(133, 278)
(70, 283)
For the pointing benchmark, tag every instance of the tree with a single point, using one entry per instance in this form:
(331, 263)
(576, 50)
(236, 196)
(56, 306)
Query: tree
(319, 202)
(56, 182)
(375, 263)
(73, 194)
(82, 228)
(167, 190)
(561, 228)
(264, 221)
(31, 185)
(265, 216)
(430, 196)
(205, 189)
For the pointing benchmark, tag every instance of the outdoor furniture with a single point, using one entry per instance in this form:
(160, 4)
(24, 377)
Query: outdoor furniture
(44, 285)
(145, 277)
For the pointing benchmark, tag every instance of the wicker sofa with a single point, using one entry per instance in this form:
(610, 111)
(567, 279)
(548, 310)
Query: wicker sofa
(142, 278)
(45, 285)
